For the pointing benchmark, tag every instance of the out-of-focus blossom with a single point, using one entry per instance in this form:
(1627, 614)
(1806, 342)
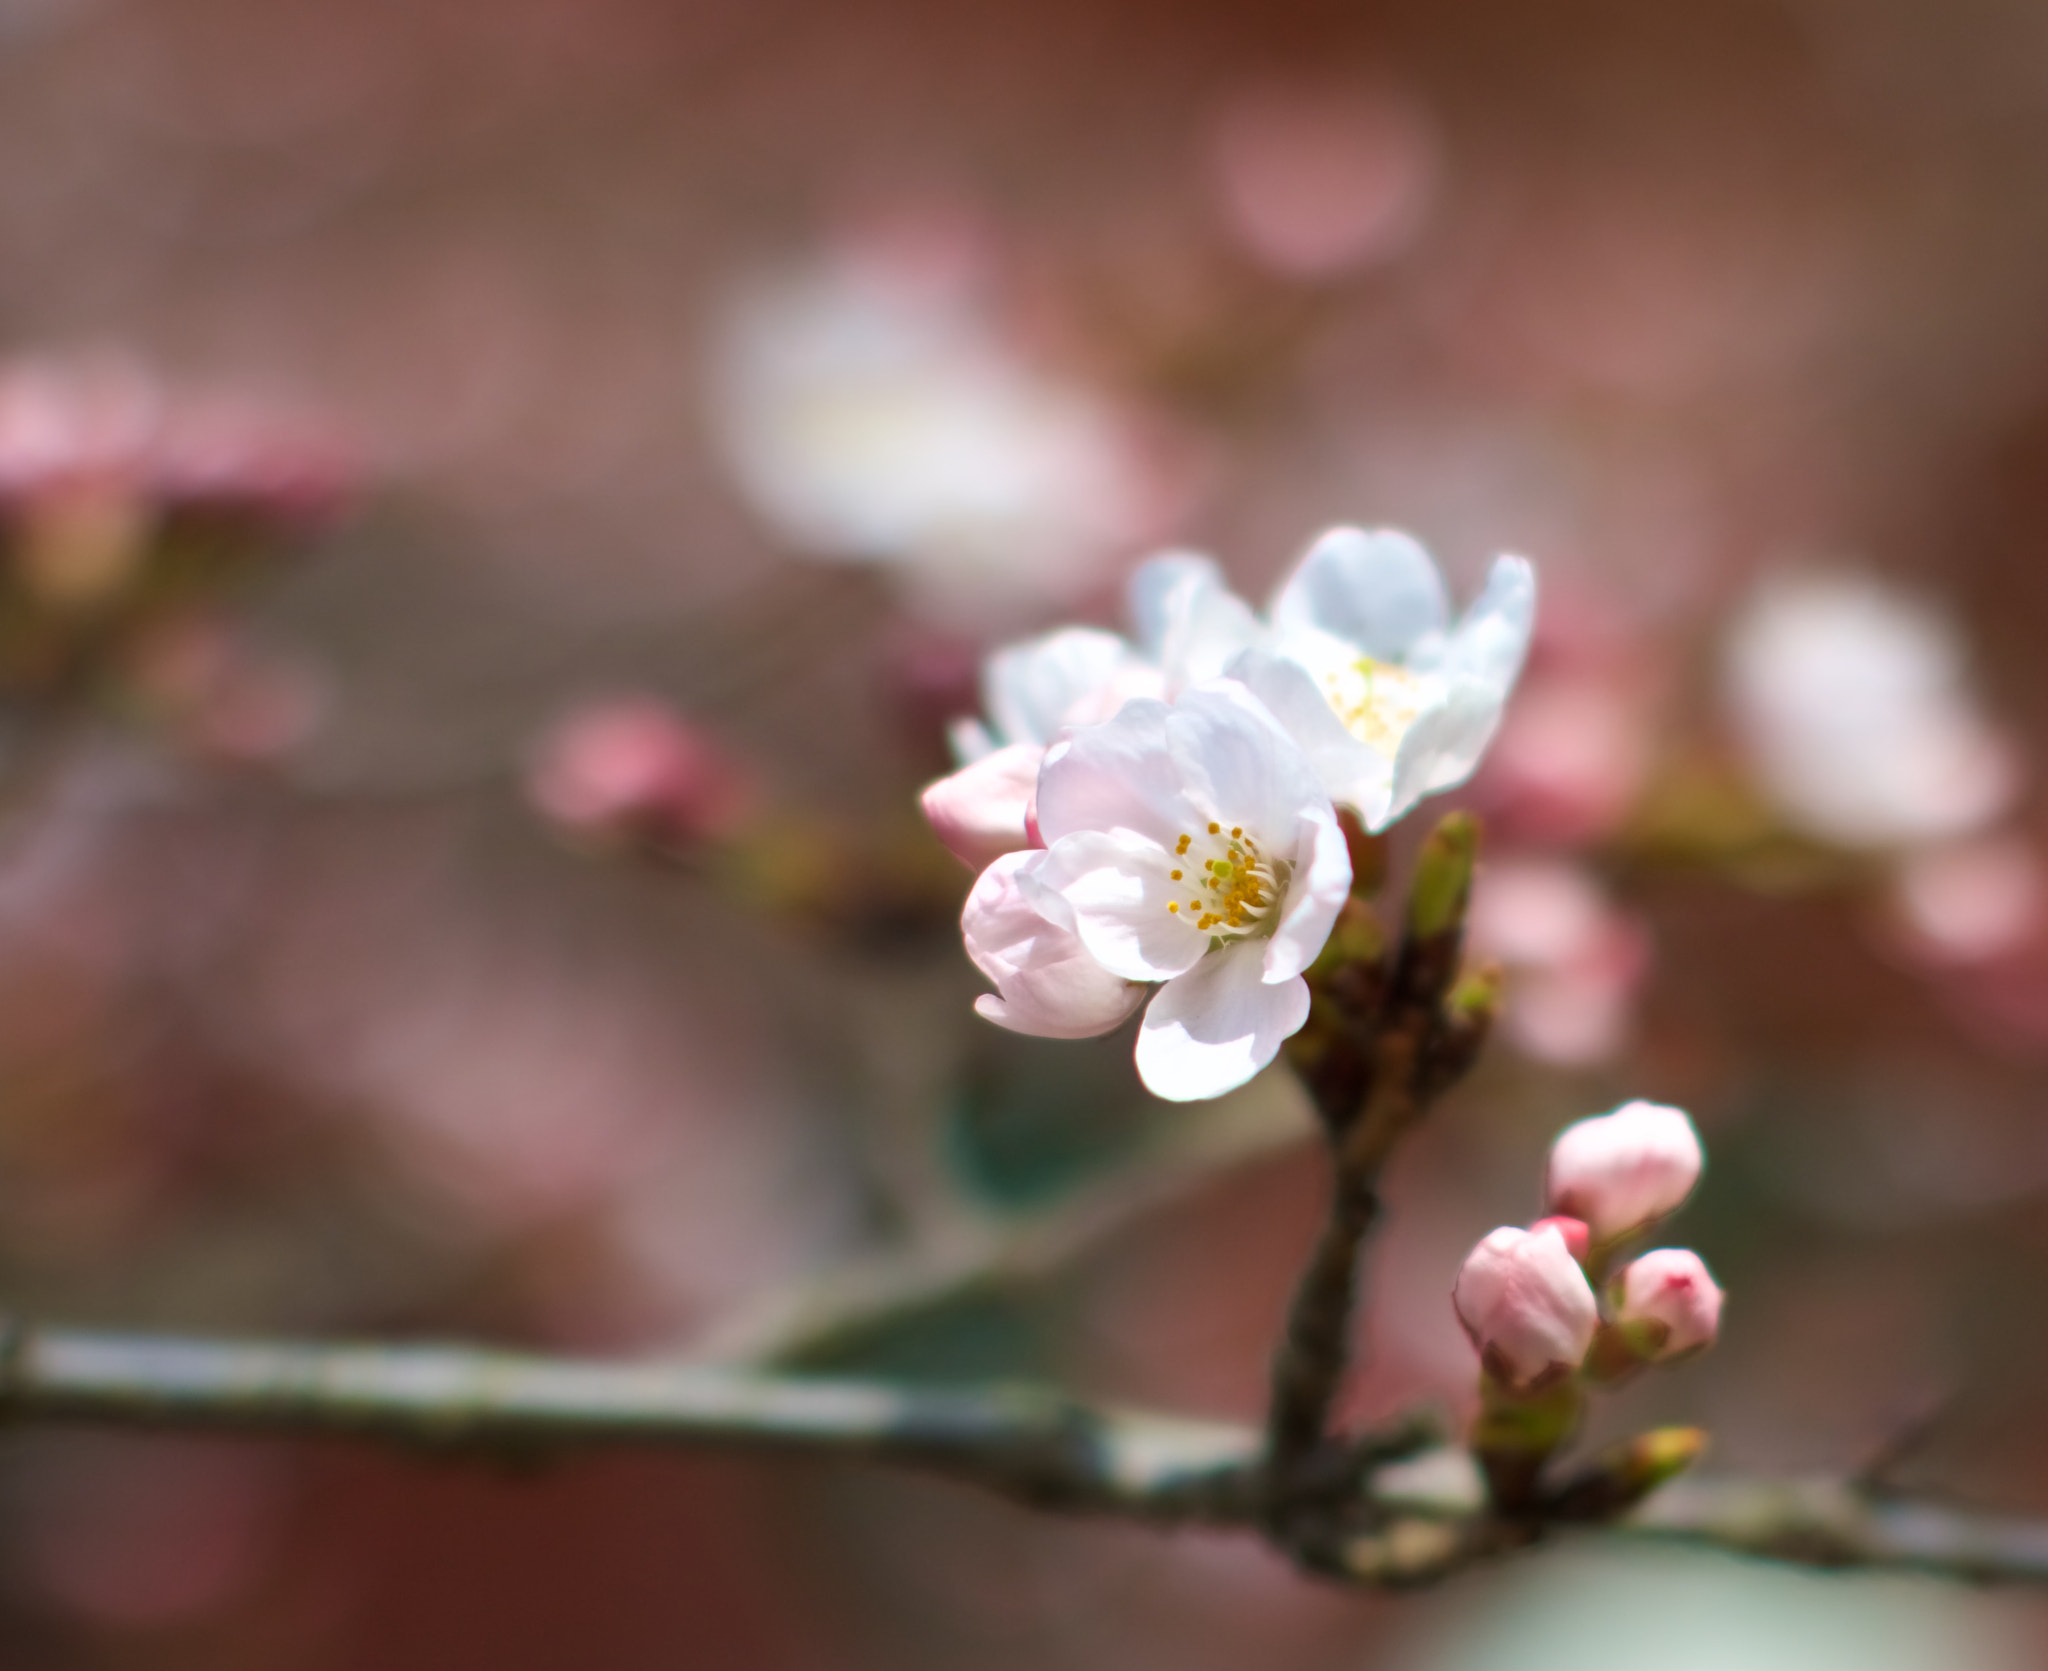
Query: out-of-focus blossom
(1527, 1306)
(1575, 960)
(96, 454)
(1047, 982)
(222, 697)
(1315, 182)
(1187, 844)
(633, 770)
(984, 810)
(1667, 1304)
(1389, 700)
(126, 505)
(1854, 703)
(1969, 902)
(873, 410)
(1623, 1171)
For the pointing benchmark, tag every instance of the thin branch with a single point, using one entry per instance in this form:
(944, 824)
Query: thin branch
(1022, 1442)
(1427, 1521)
(822, 1318)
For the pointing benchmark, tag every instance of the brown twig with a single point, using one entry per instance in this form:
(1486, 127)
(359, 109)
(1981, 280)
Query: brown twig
(1384, 1040)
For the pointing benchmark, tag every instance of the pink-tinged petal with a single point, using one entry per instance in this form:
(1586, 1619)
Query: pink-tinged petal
(1350, 772)
(1578, 1239)
(1215, 1026)
(983, 810)
(1378, 590)
(1047, 984)
(1115, 889)
(1315, 894)
(1622, 1171)
(1526, 1305)
(1669, 1302)
(1120, 775)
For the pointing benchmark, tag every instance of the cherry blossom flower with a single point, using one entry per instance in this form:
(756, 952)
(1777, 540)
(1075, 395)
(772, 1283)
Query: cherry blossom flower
(1359, 660)
(872, 409)
(1390, 701)
(1189, 844)
(1854, 704)
(1668, 1304)
(1625, 1170)
(1404, 709)
(1527, 1305)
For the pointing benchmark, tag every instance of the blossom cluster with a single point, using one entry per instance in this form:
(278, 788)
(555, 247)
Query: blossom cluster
(1161, 811)
(1527, 1297)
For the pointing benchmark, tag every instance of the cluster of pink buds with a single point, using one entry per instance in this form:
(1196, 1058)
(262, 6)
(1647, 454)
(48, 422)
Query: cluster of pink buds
(1547, 1307)
(126, 504)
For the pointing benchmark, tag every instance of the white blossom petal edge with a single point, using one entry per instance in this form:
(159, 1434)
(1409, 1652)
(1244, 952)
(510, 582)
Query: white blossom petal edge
(1191, 844)
(1360, 662)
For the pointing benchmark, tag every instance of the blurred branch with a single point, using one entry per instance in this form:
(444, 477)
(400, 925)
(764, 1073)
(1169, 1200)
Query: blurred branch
(1030, 1445)
(832, 1315)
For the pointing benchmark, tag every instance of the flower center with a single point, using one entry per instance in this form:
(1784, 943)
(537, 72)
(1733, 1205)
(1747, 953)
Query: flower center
(1232, 886)
(1376, 700)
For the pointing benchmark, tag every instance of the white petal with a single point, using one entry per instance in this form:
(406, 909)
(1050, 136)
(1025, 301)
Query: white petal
(1493, 638)
(983, 810)
(1049, 986)
(1119, 775)
(1239, 762)
(1032, 689)
(1117, 887)
(969, 740)
(1153, 587)
(1217, 1025)
(1351, 773)
(1378, 591)
(1207, 627)
(1315, 894)
(1443, 746)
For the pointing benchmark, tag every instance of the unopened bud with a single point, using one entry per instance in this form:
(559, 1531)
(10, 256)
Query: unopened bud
(1667, 1305)
(1576, 1236)
(1443, 877)
(1625, 1474)
(1527, 1306)
(1623, 1171)
(983, 810)
(633, 770)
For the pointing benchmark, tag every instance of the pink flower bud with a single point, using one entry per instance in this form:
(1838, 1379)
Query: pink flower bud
(1526, 1305)
(633, 770)
(983, 810)
(1668, 1304)
(1576, 1236)
(1622, 1171)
